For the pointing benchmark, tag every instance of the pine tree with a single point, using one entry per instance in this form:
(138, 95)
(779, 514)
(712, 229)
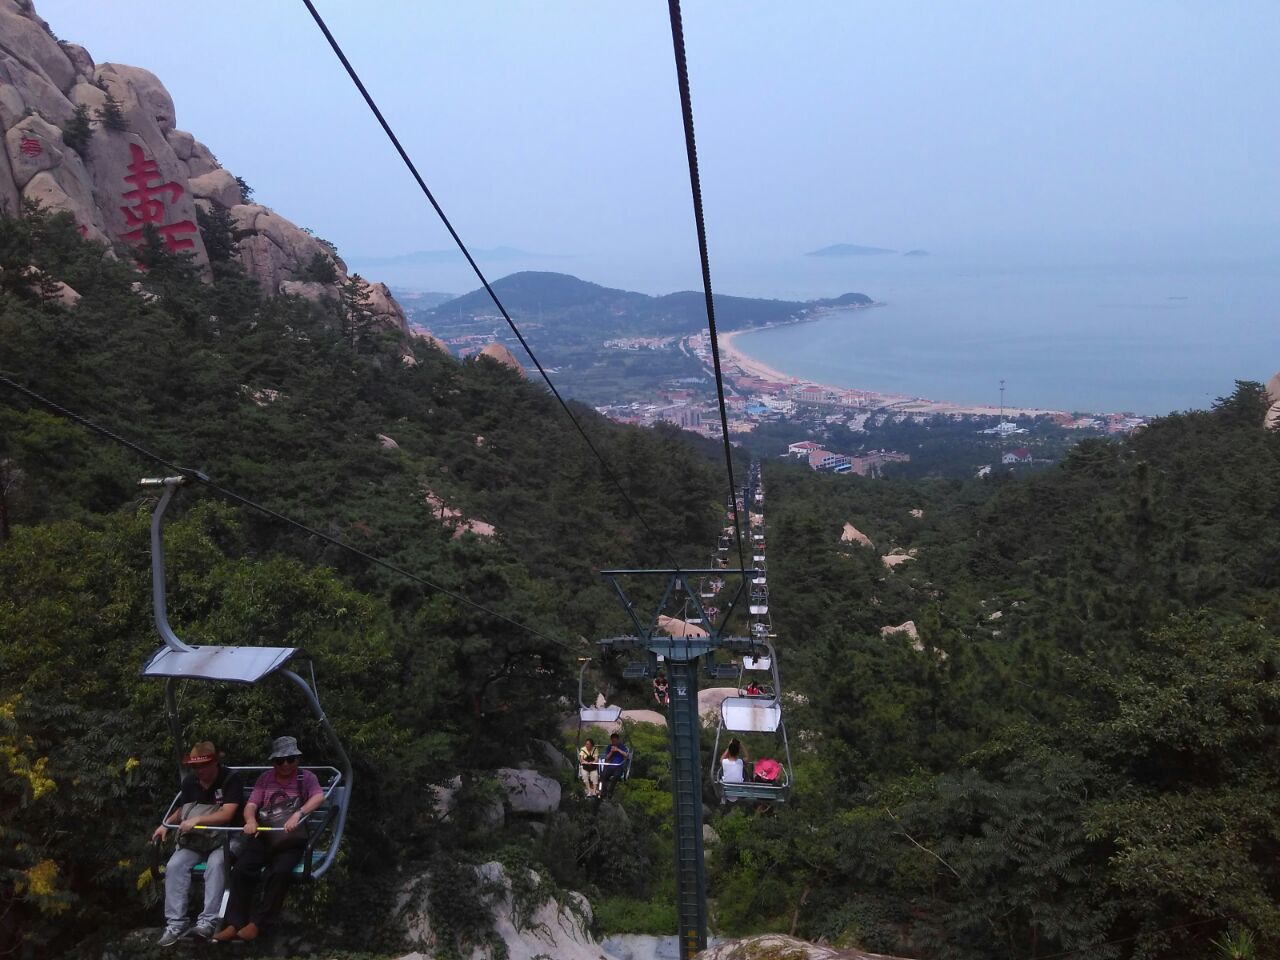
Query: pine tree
(77, 133)
(112, 115)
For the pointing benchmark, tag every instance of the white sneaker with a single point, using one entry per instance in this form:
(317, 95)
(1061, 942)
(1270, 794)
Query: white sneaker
(171, 936)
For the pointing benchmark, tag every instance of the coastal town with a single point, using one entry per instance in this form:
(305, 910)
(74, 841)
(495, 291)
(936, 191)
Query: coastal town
(757, 395)
(648, 380)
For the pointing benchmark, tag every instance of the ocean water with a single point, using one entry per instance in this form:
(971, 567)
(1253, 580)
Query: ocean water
(1147, 338)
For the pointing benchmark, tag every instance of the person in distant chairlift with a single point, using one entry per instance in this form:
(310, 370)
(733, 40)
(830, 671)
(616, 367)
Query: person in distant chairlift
(754, 689)
(615, 765)
(661, 694)
(589, 768)
(731, 762)
(281, 800)
(210, 796)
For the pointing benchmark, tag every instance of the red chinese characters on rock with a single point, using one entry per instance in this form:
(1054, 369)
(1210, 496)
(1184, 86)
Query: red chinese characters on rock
(147, 202)
(31, 147)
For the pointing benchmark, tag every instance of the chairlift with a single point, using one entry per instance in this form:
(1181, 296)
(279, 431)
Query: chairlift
(592, 716)
(178, 660)
(762, 715)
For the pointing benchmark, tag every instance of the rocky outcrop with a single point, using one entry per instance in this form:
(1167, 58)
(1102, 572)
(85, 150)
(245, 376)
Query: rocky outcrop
(499, 353)
(852, 534)
(529, 791)
(553, 928)
(777, 946)
(1273, 394)
(908, 627)
(139, 170)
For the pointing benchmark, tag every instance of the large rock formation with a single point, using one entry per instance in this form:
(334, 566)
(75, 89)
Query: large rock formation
(1273, 394)
(777, 946)
(139, 170)
(552, 928)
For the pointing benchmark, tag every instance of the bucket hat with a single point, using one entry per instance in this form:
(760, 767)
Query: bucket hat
(284, 747)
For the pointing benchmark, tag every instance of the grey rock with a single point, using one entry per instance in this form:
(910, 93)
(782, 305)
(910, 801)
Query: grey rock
(528, 791)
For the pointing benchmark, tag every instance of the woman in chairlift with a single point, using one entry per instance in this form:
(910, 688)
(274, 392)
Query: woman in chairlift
(731, 761)
(753, 689)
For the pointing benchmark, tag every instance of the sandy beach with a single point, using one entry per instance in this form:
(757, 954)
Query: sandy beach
(739, 364)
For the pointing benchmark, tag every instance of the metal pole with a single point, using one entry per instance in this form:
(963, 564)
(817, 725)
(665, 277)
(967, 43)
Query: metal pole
(686, 788)
(157, 564)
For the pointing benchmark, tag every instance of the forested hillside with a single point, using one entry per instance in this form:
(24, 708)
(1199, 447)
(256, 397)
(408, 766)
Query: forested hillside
(279, 401)
(1075, 756)
(1078, 754)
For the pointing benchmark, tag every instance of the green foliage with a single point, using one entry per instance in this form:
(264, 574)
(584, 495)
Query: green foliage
(246, 191)
(78, 132)
(266, 396)
(217, 230)
(615, 916)
(320, 269)
(111, 115)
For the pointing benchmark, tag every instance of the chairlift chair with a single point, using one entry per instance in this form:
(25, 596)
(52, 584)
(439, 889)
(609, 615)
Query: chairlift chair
(754, 715)
(598, 716)
(178, 660)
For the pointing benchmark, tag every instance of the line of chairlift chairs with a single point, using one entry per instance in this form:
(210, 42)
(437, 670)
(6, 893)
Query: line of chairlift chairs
(177, 661)
(757, 707)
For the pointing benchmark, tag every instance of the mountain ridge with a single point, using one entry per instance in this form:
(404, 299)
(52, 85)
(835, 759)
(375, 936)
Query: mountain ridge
(560, 299)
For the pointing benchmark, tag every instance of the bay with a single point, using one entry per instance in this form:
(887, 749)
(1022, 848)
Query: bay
(1146, 338)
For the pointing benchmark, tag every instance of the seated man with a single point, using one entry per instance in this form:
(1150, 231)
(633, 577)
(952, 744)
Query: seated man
(210, 796)
(615, 765)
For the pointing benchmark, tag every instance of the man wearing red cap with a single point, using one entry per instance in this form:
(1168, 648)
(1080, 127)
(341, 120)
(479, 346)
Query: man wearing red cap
(210, 796)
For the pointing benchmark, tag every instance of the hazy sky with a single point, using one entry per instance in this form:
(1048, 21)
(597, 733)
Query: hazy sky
(555, 126)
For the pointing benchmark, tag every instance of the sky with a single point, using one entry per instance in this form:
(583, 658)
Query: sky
(1071, 130)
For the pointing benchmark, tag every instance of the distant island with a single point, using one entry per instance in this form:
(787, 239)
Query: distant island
(916, 253)
(849, 250)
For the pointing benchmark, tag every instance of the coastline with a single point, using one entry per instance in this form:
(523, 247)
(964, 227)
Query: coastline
(740, 364)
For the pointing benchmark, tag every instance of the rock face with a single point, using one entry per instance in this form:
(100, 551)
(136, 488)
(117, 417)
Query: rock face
(552, 929)
(529, 791)
(1273, 394)
(498, 352)
(852, 534)
(141, 171)
(776, 946)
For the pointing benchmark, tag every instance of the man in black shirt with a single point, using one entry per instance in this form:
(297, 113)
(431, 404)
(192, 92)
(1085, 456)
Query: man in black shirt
(210, 796)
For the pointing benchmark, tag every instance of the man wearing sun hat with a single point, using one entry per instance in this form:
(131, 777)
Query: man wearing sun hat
(210, 796)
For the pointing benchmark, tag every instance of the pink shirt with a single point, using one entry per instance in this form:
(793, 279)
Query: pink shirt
(268, 792)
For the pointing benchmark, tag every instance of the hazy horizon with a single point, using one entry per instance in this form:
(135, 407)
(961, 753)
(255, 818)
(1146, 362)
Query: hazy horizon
(1131, 133)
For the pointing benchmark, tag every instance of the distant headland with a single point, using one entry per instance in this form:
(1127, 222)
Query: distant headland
(858, 250)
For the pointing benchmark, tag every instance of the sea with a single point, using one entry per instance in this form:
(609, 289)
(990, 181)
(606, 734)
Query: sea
(1144, 338)
(1132, 328)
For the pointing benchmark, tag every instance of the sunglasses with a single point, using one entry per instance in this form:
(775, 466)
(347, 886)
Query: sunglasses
(280, 761)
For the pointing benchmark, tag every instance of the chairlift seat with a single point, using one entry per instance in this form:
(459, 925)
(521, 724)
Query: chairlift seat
(636, 670)
(319, 822)
(753, 790)
(231, 664)
(757, 663)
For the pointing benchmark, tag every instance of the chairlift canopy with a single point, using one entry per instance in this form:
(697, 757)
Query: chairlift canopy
(750, 715)
(230, 664)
